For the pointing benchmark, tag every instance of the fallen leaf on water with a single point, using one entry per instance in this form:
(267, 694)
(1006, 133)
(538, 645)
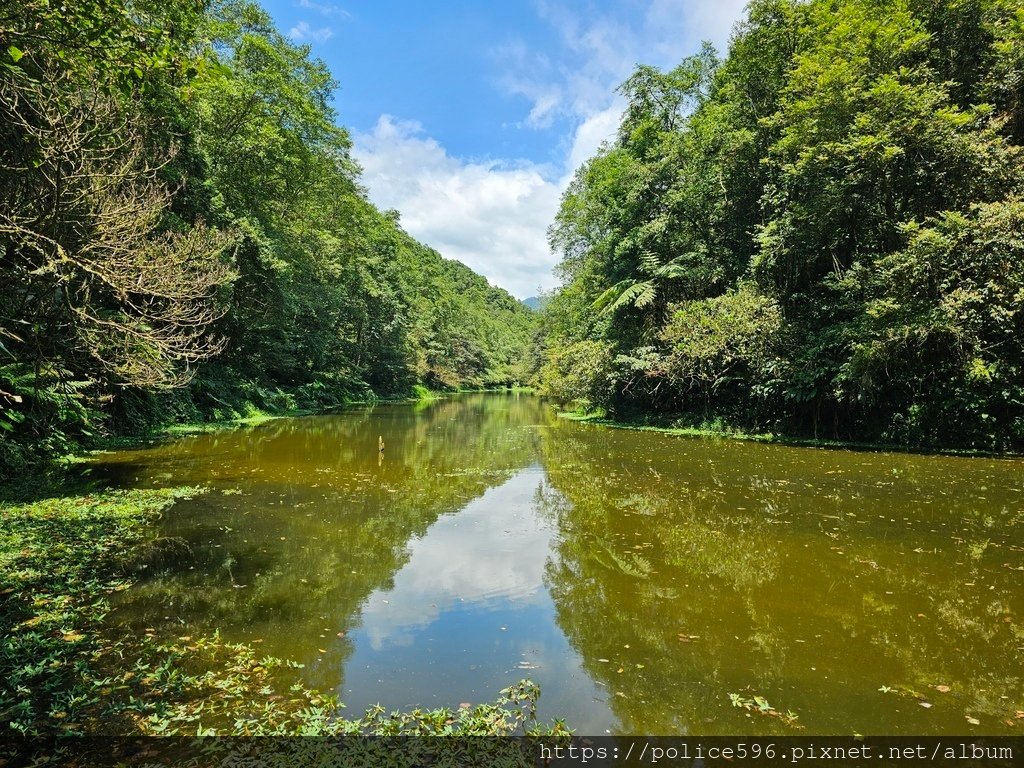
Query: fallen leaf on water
(973, 720)
(603, 661)
(925, 704)
(322, 650)
(465, 705)
(942, 688)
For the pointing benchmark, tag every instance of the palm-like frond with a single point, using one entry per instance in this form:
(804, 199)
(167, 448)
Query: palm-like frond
(642, 293)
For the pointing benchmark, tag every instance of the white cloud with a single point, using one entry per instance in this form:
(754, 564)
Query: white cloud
(325, 9)
(491, 216)
(694, 21)
(591, 133)
(303, 32)
(599, 51)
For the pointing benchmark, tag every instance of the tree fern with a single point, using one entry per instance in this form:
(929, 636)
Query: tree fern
(642, 293)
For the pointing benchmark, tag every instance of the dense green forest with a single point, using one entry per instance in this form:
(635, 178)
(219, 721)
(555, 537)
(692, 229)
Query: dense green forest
(820, 234)
(183, 234)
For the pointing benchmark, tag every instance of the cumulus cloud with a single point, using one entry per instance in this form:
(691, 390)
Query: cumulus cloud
(304, 32)
(491, 216)
(591, 133)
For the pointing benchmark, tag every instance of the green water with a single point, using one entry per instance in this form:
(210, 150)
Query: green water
(639, 578)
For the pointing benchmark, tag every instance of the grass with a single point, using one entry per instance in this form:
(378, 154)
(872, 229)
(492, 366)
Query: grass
(65, 672)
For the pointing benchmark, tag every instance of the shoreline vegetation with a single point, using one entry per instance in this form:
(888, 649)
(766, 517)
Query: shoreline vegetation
(675, 426)
(253, 416)
(816, 234)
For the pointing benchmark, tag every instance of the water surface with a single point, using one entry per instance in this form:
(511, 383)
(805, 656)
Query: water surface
(639, 578)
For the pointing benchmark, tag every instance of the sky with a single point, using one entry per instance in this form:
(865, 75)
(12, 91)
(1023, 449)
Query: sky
(470, 117)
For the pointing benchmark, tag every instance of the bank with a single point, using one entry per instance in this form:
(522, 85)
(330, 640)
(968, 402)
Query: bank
(667, 426)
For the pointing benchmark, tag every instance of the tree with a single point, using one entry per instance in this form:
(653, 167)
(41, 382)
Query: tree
(738, 237)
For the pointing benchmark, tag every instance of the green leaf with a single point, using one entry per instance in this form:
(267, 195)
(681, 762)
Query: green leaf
(15, 52)
(639, 294)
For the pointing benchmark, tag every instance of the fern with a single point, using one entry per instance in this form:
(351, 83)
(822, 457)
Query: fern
(642, 293)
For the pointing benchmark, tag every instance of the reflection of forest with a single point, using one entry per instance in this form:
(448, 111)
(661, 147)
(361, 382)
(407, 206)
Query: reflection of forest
(321, 521)
(811, 578)
(681, 570)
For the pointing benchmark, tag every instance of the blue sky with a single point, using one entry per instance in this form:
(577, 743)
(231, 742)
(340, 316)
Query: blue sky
(470, 117)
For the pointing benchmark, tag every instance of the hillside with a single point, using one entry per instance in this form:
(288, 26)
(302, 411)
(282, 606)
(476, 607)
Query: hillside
(183, 235)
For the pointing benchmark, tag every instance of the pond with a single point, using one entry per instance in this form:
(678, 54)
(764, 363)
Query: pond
(639, 578)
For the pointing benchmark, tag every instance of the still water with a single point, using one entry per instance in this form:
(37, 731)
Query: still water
(638, 578)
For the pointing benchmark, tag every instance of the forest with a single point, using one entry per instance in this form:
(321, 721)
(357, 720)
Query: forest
(814, 238)
(819, 235)
(184, 237)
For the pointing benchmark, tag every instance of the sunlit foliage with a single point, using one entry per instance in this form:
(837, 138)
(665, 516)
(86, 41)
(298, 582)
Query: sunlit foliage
(815, 235)
(183, 234)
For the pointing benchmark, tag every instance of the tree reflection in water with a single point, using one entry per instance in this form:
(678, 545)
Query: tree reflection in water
(639, 578)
